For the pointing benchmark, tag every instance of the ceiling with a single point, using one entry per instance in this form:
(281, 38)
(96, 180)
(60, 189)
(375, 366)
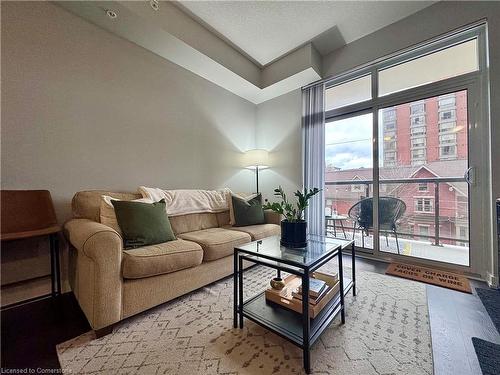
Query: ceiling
(267, 30)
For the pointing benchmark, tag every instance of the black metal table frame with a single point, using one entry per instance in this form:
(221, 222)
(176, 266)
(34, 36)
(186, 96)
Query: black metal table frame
(296, 268)
(55, 274)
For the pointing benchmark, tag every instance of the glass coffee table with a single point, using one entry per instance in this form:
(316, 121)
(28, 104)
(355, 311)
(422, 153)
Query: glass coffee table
(297, 328)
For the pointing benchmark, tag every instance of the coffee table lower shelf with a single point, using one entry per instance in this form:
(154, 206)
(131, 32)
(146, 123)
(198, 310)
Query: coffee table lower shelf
(287, 323)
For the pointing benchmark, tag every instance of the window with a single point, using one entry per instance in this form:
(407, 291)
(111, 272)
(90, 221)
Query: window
(422, 187)
(390, 159)
(447, 101)
(418, 142)
(449, 62)
(389, 114)
(420, 130)
(445, 139)
(447, 152)
(351, 92)
(389, 135)
(391, 145)
(358, 188)
(447, 126)
(389, 126)
(424, 205)
(417, 120)
(390, 156)
(464, 232)
(447, 115)
(423, 230)
(417, 108)
(418, 156)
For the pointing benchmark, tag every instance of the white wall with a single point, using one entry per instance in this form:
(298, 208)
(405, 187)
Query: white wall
(85, 109)
(278, 130)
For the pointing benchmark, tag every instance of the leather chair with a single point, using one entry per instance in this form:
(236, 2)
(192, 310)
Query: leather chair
(27, 214)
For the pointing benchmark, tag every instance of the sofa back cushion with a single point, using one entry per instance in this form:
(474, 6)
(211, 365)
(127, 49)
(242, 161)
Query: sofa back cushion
(194, 222)
(86, 204)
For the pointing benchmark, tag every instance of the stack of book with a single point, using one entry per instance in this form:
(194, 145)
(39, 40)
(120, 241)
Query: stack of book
(323, 287)
(317, 290)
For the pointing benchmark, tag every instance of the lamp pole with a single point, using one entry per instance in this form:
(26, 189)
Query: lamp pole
(257, 174)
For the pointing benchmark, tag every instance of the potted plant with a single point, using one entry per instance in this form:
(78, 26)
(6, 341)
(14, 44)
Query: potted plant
(293, 226)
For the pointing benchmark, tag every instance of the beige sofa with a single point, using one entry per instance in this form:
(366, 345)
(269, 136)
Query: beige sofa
(111, 283)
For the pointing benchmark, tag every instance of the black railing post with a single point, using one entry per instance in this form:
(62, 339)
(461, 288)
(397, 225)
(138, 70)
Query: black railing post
(367, 190)
(436, 213)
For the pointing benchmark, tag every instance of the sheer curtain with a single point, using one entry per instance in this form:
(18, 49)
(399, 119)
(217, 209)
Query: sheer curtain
(313, 154)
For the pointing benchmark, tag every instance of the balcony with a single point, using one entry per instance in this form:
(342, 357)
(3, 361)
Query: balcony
(434, 226)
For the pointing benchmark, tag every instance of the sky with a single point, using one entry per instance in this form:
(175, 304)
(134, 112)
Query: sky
(349, 142)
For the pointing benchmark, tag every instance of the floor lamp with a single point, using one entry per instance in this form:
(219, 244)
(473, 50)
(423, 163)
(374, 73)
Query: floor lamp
(257, 160)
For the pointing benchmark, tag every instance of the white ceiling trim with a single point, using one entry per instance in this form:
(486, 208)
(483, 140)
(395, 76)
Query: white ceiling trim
(149, 35)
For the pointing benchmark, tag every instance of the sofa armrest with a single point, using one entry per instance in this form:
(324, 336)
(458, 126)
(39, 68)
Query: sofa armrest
(98, 270)
(272, 217)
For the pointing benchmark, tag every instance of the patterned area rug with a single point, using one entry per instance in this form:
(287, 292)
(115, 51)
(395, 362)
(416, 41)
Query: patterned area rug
(386, 332)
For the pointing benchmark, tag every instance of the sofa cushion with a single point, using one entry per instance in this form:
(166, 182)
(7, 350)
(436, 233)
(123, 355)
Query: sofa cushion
(259, 231)
(161, 258)
(193, 222)
(217, 242)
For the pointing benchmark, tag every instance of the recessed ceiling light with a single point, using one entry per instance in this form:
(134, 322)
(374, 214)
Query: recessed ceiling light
(154, 4)
(111, 13)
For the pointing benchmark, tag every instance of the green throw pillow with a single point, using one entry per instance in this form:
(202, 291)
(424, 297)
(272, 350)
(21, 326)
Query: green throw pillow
(248, 212)
(143, 223)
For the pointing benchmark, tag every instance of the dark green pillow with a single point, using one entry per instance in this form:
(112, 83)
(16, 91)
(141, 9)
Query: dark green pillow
(143, 223)
(248, 212)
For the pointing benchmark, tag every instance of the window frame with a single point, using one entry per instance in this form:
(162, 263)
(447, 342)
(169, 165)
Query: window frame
(440, 88)
(475, 82)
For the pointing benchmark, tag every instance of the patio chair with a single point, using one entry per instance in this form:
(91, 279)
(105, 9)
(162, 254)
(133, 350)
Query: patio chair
(390, 211)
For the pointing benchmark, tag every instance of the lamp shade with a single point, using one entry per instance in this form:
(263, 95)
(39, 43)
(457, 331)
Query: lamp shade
(257, 158)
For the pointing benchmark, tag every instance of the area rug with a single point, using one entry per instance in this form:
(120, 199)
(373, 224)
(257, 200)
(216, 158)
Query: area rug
(488, 355)
(386, 332)
(491, 301)
(430, 276)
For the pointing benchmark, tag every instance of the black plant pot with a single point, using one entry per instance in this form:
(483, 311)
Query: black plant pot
(293, 234)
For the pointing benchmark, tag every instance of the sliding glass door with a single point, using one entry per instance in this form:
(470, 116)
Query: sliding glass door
(403, 155)
(423, 193)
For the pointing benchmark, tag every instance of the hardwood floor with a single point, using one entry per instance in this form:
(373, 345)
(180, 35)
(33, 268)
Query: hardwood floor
(30, 332)
(455, 318)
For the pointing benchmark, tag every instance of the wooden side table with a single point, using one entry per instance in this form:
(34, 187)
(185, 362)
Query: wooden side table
(29, 214)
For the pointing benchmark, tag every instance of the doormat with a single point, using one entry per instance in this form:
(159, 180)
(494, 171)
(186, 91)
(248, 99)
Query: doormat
(430, 276)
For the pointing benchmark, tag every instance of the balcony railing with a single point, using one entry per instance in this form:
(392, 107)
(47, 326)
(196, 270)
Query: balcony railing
(436, 181)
